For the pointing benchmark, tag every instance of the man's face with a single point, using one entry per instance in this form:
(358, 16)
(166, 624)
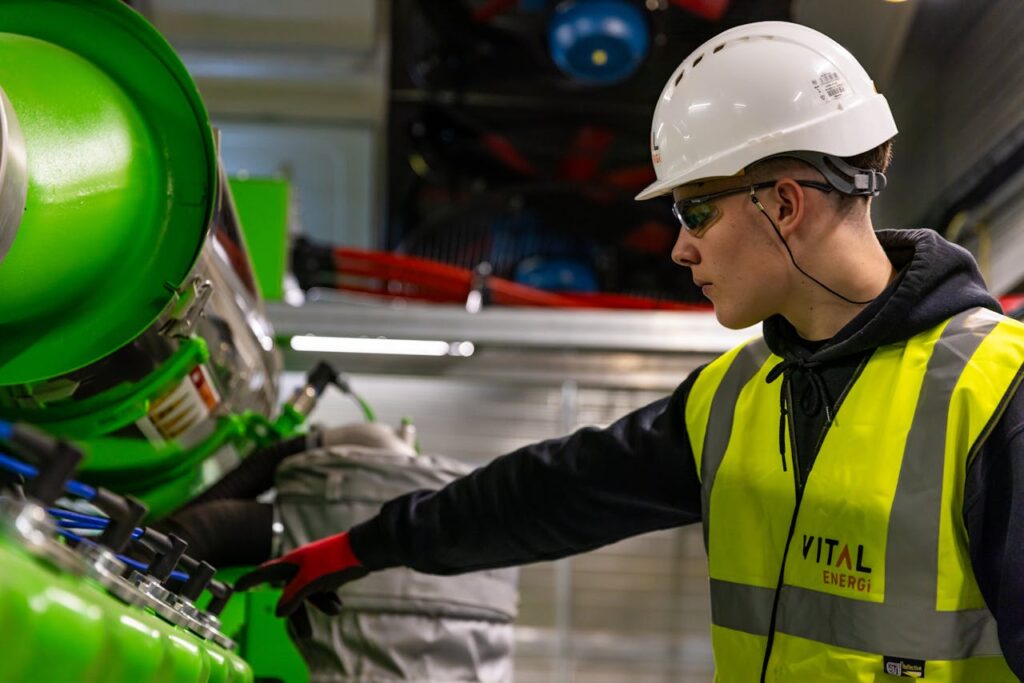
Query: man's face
(731, 255)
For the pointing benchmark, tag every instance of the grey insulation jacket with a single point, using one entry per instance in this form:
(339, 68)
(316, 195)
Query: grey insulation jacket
(397, 624)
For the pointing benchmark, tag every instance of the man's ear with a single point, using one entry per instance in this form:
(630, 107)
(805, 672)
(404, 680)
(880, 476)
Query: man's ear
(790, 205)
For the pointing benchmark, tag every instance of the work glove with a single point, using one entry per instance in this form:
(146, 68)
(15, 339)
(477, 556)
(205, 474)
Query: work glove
(311, 572)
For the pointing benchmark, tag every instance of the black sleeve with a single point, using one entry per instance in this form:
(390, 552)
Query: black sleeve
(547, 500)
(994, 517)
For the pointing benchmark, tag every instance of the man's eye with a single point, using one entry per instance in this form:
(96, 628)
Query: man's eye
(698, 216)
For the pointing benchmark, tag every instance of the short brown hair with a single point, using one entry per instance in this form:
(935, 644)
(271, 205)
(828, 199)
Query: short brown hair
(875, 159)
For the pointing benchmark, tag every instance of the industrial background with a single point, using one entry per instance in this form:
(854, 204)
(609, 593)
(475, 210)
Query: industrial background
(441, 130)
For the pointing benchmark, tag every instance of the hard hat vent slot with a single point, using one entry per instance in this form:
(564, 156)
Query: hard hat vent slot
(718, 49)
(697, 61)
(679, 77)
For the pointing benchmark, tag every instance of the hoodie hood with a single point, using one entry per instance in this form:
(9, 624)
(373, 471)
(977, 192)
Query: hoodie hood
(937, 279)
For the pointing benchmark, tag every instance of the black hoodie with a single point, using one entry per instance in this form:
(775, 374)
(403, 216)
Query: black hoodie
(565, 496)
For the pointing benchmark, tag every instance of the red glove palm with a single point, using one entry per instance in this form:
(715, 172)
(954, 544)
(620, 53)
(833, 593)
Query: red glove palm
(311, 572)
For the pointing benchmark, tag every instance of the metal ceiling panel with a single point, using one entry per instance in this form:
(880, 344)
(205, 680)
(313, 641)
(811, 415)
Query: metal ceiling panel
(333, 25)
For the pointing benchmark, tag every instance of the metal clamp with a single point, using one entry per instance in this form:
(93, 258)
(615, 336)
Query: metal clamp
(32, 527)
(178, 611)
(189, 303)
(104, 567)
(224, 641)
(13, 175)
(156, 597)
(189, 617)
(213, 624)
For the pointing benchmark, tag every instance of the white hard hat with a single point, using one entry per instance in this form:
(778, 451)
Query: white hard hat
(762, 90)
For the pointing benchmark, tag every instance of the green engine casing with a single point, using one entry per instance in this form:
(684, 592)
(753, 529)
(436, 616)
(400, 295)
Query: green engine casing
(63, 628)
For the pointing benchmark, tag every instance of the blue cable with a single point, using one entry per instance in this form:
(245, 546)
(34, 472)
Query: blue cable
(69, 519)
(67, 524)
(73, 487)
(136, 534)
(134, 564)
(6, 430)
(77, 488)
(142, 567)
(71, 515)
(16, 466)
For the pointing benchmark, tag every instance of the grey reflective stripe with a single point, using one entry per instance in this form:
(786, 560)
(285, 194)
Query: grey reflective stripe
(907, 623)
(912, 544)
(716, 437)
(855, 624)
(886, 628)
(741, 607)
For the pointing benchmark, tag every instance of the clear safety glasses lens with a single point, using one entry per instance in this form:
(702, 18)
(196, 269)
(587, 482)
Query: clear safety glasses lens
(696, 217)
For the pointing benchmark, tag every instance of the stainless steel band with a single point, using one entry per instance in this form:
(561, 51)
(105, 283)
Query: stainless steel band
(13, 175)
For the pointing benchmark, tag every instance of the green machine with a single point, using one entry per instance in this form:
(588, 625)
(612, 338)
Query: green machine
(130, 319)
(63, 623)
(131, 323)
(263, 205)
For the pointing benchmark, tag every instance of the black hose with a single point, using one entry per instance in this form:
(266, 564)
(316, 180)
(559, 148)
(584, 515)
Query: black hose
(225, 533)
(224, 525)
(253, 476)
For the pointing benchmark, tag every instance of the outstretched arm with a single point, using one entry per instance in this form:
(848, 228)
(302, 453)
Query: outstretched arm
(547, 500)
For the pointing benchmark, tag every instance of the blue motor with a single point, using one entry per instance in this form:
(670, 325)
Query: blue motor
(557, 274)
(598, 42)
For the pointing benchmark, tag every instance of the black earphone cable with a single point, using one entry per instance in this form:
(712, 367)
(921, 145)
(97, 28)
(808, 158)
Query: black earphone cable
(757, 203)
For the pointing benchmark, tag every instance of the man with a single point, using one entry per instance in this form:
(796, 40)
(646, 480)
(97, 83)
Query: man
(859, 471)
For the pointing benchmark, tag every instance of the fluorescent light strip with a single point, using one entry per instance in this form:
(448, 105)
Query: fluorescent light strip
(389, 347)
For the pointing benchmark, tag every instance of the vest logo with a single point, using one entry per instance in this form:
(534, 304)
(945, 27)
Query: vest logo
(836, 555)
(904, 668)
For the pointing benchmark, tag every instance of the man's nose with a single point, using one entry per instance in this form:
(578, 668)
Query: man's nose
(684, 252)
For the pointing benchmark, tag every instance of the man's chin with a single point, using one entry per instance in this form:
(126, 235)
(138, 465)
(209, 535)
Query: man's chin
(734, 320)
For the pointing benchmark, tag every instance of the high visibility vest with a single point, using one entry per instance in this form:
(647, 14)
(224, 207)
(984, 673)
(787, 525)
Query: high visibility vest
(864, 574)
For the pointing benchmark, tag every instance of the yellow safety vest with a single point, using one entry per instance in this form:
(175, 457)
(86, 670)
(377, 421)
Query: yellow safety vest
(865, 575)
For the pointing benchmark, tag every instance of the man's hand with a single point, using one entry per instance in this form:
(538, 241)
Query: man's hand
(312, 572)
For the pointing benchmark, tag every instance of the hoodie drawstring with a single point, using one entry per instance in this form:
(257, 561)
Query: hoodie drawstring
(819, 396)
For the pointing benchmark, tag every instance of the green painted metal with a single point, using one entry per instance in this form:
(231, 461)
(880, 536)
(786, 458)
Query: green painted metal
(291, 422)
(266, 644)
(163, 476)
(117, 407)
(58, 627)
(164, 489)
(262, 205)
(164, 498)
(122, 181)
(261, 636)
(114, 463)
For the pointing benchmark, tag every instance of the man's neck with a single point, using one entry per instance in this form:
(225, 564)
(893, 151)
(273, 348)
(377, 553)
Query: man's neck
(858, 274)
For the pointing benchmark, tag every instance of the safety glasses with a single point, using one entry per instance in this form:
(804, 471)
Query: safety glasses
(697, 214)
